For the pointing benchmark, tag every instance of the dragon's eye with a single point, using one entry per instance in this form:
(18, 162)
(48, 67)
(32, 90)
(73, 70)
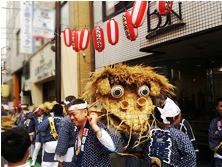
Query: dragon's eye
(143, 91)
(117, 91)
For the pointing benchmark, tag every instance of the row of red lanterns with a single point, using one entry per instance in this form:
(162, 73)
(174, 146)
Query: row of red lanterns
(131, 22)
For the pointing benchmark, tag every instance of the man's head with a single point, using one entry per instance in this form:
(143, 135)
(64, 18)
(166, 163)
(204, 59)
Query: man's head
(23, 106)
(15, 145)
(37, 111)
(25, 111)
(219, 105)
(162, 101)
(2, 109)
(13, 110)
(78, 112)
(57, 109)
(170, 113)
(67, 100)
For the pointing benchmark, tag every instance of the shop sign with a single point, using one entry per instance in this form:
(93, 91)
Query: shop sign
(42, 70)
(26, 43)
(161, 26)
(44, 22)
(10, 104)
(27, 85)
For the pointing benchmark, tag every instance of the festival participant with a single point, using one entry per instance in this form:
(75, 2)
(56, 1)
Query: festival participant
(215, 135)
(3, 112)
(183, 125)
(25, 123)
(13, 112)
(20, 120)
(15, 145)
(50, 127)
(93, 141)
(66, 141)
(36, 118)
(167, 145)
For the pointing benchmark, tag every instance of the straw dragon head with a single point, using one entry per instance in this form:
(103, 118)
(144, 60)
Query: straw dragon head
(126, 94)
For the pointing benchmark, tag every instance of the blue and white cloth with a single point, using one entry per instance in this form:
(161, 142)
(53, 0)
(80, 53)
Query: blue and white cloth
(20, 120)
(34, 123)
(95, 154)
(185, 127)
(215, 140)
(14, 115)
(171, 146)
(66, 142)
(128, 160)
(50, 142)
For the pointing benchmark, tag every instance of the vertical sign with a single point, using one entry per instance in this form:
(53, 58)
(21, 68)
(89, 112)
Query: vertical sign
(26, 40)
(44, 22)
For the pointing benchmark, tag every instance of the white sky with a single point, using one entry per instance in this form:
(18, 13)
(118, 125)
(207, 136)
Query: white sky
(2, 23)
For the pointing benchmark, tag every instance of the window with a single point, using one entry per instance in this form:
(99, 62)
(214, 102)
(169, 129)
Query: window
(113, 8)
(18, 42)
(65, 16)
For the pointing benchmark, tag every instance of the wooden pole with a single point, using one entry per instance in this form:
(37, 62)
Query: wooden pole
(58, 52)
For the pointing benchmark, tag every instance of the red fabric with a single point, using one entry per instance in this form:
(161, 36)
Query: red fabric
(127, 25)
(75, 42)
(69, 37)
(99, 39)
(84, 31)
(109, 32)
(140, 14)
(162, 9)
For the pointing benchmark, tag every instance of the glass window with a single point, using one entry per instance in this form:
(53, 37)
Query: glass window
(65, 16)
(113, 8)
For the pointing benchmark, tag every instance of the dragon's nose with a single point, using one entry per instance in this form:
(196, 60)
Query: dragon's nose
(124, 104)
(141, 101)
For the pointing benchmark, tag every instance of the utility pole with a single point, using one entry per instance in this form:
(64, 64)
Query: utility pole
(58, 52)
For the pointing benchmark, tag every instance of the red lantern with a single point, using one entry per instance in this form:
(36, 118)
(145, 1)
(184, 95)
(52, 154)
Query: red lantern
(76, 40)
(164, 7)
(67, 37)
(139, 12)
(98, 39)
(112, 31)
(130, 31)
(84, 38)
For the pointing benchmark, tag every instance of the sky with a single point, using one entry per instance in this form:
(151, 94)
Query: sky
(2, 23)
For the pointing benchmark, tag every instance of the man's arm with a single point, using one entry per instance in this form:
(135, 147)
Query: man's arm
(188, 154)
(214, 139)
(108, 139)
(191, 136)
(63, 138)
(43, 126)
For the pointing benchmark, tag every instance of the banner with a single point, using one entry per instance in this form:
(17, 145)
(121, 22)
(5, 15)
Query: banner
(26, 39)
(44, 22)
(10, 104)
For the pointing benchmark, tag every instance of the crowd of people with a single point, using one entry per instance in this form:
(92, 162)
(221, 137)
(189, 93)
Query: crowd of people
(79, 139)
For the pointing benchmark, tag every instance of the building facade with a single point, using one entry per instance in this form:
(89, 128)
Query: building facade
(185, 45)
(33, 75)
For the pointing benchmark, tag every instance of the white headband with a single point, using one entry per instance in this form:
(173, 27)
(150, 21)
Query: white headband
(78, 106)
(169, 110)
(23, 106)
(66, 102)
(36, 109)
